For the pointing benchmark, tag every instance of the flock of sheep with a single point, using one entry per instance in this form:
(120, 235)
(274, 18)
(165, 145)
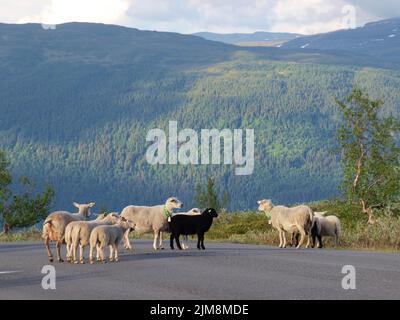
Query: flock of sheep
(108, 230)
(301, 221)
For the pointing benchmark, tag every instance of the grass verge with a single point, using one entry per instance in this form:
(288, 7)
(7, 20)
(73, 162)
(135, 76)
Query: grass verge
(253, 228)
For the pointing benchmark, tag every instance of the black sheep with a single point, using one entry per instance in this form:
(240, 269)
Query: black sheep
(188, 225)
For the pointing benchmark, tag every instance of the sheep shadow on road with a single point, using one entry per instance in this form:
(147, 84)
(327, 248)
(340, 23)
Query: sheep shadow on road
(164, 254)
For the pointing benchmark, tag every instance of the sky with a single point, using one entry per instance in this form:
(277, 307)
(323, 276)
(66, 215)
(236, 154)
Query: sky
(189, 16)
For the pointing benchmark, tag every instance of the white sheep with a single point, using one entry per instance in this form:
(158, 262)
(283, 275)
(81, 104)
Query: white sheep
(78, 233)
(191, 212)
(108, 235)
(286, 219)
(325, 226)
(150, 219)
(55, 224)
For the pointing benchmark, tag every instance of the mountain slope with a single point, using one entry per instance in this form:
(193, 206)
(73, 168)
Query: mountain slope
(379, 39)
(78, 101)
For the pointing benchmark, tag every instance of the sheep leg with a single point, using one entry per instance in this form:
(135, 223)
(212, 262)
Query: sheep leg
(294, 239)
(81, 249)
(202, 242)
(116, 259)
(184, 243)
(69, 252)
(320, 244)
(160, 238)
(91, 254)
(336, 237)
(171, 241)
(58, 246)
(313, 238)
(308, 240)
(284, 239)
(127, 243)
(198, 242)
(297, 237)
(302, 237)
(47, 245)
(155, 240)
(75, 252)
(101, 253)
(98, 252)
(111, 252)
(280, 238)
(178, 243)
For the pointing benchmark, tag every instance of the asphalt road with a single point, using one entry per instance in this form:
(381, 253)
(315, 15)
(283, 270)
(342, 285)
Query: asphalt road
(223, 271)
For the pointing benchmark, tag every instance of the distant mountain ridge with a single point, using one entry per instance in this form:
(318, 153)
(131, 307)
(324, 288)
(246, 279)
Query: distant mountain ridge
(259, 38)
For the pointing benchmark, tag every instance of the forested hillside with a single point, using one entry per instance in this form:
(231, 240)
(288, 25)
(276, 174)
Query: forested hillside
(77, 102)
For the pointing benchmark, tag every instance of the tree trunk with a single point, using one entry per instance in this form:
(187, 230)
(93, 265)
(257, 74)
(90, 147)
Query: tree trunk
(6, 228)
(359, 167)
(367, 210)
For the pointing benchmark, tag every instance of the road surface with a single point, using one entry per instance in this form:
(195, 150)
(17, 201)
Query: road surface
(223, 271)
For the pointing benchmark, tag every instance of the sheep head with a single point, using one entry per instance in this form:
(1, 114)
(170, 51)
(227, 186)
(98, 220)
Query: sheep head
(173, 203)
(211, 212)
(265, 206)
(126, 224)
(84, 209)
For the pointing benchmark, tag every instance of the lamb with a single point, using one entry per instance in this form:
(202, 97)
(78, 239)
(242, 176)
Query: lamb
(288, 220)
(55, 224)
(78, 233)
(151, 219)
(191, 212)
(325, 227)
(188, 225)
(109, 235)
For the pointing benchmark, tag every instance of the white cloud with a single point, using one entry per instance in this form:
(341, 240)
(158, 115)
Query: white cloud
(307, 16)
(187, 16)
(61, 11)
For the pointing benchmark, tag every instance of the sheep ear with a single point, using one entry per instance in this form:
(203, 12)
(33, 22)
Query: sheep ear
(76, 205)
(92, 204)
(259, 202)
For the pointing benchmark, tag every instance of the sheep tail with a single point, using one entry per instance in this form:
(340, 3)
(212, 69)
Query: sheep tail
(47, 228)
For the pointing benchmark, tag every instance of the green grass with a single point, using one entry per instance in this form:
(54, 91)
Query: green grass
(253, 228)
(30, 235)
